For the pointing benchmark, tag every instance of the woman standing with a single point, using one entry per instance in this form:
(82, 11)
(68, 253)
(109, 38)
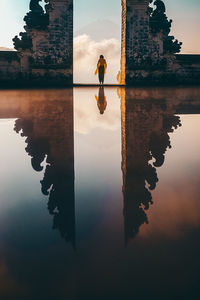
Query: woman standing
(101, 68)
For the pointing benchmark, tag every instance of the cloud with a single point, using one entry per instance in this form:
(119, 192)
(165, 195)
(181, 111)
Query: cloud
(86, 54)
(87, 115)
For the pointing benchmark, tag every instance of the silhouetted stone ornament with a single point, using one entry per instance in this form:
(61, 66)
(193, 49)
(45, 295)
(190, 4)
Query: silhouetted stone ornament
(35, 6)
(24, 43)
(150, 9)
(172, 46)
(158, 19)
(160, 23)
(160, 6)
(36, 18)
(48, 6)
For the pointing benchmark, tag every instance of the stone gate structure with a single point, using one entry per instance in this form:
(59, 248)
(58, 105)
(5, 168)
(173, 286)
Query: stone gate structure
(45, 50)
(148, 52)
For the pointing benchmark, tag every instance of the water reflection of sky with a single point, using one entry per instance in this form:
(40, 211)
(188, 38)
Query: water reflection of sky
(35, 261)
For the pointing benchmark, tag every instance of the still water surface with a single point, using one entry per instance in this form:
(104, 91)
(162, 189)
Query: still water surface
(100, 194)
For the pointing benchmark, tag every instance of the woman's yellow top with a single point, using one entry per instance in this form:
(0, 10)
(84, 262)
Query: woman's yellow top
(101, 62)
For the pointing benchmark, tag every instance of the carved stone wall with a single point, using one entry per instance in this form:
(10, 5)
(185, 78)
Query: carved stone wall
(61, 33)
(46, 47)
(53, 58)
(142, 50)
(137, 31)
(9, 66)
(148, 52)
(123, 44)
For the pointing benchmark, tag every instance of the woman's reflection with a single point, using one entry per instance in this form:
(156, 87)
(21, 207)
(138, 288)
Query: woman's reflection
(101, 100)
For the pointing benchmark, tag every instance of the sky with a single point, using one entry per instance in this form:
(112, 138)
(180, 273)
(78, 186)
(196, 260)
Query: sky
(92, 16)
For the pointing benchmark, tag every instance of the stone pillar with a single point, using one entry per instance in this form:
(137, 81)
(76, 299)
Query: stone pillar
(123, 44)
(46, 46)
(147, 51)
(40, 48)
(137, 29)
(61, 37)
(135, 36)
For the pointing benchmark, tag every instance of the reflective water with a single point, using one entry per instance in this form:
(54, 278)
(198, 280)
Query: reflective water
(100, 193)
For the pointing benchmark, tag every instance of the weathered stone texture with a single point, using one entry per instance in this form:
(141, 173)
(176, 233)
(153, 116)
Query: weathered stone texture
(45, 48)
(122, 79)
(9, 65)
(148, 51)
(143, 50)
(52, 57)
(187, 68)
(61, 33)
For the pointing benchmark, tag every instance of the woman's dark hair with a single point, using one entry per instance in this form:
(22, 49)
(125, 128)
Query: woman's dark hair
(101, 56)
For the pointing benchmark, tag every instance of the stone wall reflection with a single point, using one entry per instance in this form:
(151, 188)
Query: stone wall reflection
(146, 124)
(48, 128)
(148, 116)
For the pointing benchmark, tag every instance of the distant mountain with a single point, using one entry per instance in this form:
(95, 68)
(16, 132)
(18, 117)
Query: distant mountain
(6, 49)
(100, 30)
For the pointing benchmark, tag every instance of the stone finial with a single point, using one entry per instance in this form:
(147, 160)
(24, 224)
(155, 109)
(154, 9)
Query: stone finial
(158, 20)
(149, 8)
(23, 43)
(160, 6)
(36, 18)
(48, 6)
(159, 23)
(35, 6)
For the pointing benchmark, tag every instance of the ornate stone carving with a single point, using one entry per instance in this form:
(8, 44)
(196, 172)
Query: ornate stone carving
(158, 19)
(35, 6)
(159, 23)
(160, 6)
(35, 20)
(48, 6)
(24, 43)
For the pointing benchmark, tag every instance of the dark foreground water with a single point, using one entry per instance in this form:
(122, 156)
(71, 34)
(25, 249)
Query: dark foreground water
(100, 194)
